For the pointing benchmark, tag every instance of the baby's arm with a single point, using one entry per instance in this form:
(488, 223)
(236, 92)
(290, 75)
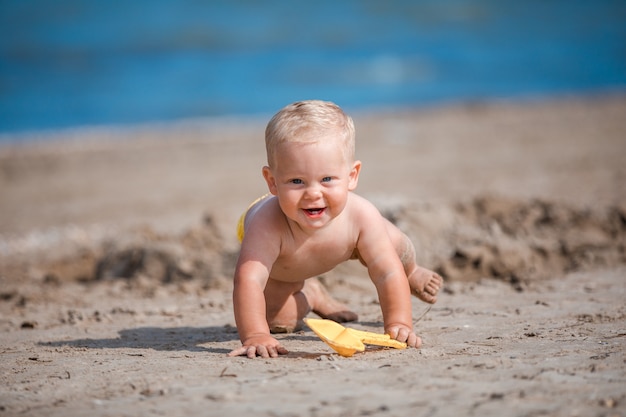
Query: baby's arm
(256, 258)
(387, 273)
(249, 306)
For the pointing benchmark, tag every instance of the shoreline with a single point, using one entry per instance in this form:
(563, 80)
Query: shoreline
(75, 137)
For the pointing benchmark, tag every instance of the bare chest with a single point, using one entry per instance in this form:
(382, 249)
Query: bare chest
(312, 258)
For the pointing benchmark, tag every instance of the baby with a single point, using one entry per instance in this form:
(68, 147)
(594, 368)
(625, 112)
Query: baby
(309, 223)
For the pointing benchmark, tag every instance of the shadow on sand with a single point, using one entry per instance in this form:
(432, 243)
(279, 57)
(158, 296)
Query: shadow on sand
(191, 339)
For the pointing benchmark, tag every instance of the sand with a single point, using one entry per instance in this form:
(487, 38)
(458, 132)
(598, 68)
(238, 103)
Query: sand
(117, 248)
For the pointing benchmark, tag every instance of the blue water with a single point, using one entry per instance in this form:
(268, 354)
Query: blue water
(71, 63)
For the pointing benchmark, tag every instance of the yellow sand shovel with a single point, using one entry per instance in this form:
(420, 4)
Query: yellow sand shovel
(346, 341)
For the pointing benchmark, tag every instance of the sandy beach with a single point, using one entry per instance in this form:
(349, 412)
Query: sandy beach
(117, 248)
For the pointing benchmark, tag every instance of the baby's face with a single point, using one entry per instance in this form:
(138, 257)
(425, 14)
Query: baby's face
(312, 181)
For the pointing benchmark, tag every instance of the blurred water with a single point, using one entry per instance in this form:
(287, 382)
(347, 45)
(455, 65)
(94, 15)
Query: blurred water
(72, 63)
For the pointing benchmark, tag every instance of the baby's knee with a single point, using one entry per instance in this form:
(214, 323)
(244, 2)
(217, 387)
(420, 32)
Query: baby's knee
(279, 327)
(284, 315)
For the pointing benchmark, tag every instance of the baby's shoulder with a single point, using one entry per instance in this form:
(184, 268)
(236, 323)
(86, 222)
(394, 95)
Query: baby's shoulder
(360, 206)
(362, 213)
(266, 214)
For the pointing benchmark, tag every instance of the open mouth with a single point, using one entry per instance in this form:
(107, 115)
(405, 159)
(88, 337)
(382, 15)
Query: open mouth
(315, 211)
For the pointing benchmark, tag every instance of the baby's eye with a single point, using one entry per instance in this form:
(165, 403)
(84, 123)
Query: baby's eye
(296, 181)
(326, 179)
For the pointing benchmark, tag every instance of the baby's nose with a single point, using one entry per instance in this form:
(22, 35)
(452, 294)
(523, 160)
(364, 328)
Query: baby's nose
(314, 191)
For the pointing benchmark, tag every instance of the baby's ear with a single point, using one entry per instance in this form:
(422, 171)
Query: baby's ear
(354, 175)
(270, 180)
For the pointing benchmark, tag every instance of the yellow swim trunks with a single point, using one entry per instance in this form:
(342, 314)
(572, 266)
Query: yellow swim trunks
(240, 228)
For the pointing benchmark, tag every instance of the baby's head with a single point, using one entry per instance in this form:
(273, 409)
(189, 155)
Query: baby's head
(307, 122)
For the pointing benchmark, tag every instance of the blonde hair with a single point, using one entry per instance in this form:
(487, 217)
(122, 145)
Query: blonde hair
(300, 122)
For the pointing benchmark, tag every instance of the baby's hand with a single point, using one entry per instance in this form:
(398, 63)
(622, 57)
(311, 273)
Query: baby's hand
(404, 334)
(264, 346)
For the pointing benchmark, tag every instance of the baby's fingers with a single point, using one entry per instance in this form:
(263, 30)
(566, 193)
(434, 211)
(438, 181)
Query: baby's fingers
(260, 350)
(403, 334)
(399, 333)
(406, 335)
(414, 340)
(249, 351)
(274, 351)
(243, 350)
(281, 350)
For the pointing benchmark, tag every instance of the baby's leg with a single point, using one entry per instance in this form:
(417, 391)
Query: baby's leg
(285, 306)
(425, 284)
(288, 303)
(324, 305)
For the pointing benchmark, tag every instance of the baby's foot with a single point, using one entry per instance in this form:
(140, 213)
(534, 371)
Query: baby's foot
(324, 305)
(425, 284)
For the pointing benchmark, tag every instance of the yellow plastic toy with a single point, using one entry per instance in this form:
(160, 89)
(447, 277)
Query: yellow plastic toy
(346, 341)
